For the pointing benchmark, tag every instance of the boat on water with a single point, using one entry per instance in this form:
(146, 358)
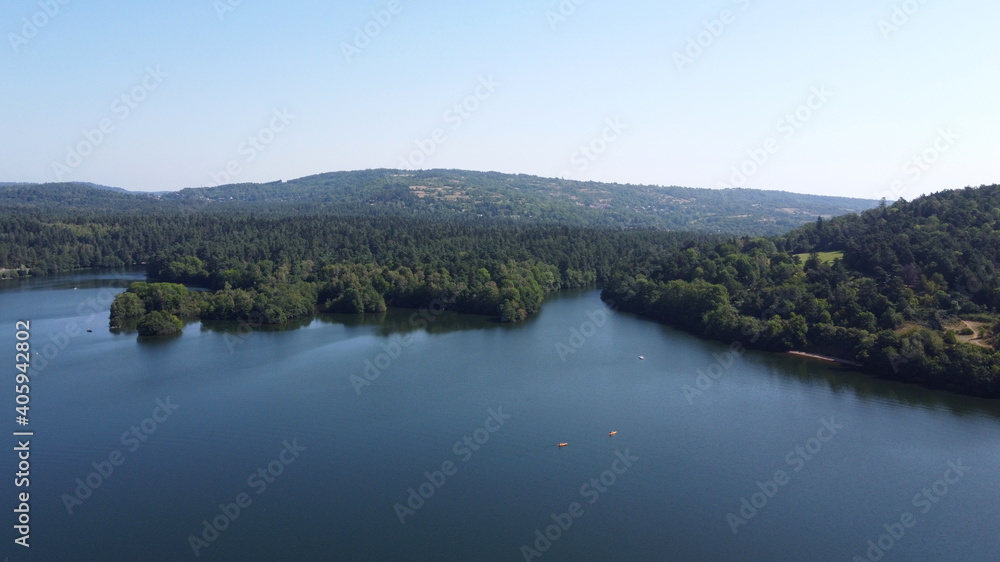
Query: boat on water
(561, 444)
(615, 432)
(642, 357)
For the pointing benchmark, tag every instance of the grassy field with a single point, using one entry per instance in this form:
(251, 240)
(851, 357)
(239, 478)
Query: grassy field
(824, 257)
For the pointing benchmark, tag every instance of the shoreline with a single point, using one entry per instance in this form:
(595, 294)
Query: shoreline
(824, 358)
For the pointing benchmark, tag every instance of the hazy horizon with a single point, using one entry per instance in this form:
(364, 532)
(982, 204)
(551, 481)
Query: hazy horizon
(888, 99)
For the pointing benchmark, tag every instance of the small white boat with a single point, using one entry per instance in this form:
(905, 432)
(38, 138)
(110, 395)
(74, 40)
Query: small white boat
(642, 357)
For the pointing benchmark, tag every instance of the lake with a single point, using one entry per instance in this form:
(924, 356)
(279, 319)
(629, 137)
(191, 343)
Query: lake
(427, 435)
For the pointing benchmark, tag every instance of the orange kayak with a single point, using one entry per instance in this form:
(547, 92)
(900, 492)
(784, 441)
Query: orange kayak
(562, 444)
(614, 432)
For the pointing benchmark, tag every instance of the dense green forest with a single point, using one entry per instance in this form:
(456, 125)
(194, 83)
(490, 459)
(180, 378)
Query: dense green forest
(909, 290)
(277, 264)
(278, 269)
(363, 241)
(914, 296)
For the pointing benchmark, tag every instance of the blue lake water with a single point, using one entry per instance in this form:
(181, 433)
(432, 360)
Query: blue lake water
(318, 434)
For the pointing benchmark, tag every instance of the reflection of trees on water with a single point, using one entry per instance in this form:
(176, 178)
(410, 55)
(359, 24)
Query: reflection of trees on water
(404, 321)
(395, 321)
(843, 380)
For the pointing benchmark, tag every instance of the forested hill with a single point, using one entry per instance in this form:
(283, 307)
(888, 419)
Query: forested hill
(952, 236)
(454, 193)
(533, 198)
(911, 291)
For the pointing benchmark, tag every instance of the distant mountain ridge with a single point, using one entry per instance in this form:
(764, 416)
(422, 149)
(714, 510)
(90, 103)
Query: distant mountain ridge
(443, 193)
(87, 184)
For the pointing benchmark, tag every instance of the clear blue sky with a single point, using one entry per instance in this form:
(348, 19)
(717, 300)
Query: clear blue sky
(622, 79)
